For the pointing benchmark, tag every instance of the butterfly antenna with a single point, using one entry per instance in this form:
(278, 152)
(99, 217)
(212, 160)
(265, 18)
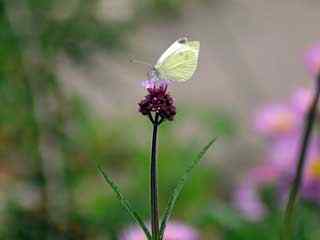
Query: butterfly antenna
(140, 62)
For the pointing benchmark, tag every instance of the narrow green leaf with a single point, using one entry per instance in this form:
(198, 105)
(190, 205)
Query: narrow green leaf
(177, 190)
(125, 203)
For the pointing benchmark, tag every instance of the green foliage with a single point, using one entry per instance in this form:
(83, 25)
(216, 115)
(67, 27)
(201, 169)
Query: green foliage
(177, 190)
(220, 122)
(125, 203)
(35, 114)
(28, 225)
(161, 8)
(221, 216)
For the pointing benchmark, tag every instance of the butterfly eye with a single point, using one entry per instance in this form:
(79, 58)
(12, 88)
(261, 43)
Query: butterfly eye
(183, 40)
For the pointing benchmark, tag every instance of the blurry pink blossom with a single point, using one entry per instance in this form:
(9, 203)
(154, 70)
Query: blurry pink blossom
(283, 123)
(278, 171)
(311, 184)
(282, 152)
(301, 100)
(262, 175)
(312, 60)
(248, 202)
(174, 231)
(247, 197)
(283, 156)
(276, 119)
(284, 119)
(310, 190)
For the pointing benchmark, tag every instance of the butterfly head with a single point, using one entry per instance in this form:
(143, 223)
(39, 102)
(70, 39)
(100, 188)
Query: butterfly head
(183, 40)
(153, 74)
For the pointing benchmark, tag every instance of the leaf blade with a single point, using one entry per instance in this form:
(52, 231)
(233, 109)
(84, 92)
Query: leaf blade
(181, 183)
(125, 203)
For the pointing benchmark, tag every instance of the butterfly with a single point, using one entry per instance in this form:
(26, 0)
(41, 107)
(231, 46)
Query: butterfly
(179, 61)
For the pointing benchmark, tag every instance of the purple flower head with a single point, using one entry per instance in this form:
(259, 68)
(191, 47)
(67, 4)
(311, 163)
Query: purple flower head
(275, 120)
(312, 60)
(158, 100)
(150, 84)
(174, 231)
(154, 81)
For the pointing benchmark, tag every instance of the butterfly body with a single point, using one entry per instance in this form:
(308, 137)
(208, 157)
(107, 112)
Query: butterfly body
(178, 62)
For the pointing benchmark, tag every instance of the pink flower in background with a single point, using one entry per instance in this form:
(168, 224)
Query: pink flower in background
(286, 166)
(310, 190)
(281, 124)
(301, 100)
(263, 174)
(281, 153)
(174, 231)
(285, 119)
(311, 185)
(312, 60)
(247, 197)
(248, 202)
(276, 119)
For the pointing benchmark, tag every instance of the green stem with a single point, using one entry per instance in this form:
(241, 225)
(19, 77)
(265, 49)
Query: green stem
(153, 182)
(287, 230)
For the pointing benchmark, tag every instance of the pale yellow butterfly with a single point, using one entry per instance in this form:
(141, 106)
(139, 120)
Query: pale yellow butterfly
(179, 61)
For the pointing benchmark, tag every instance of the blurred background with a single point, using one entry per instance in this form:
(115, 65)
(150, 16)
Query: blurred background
(68, 99)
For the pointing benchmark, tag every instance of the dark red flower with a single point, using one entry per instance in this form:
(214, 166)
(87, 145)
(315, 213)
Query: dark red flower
(158, 101)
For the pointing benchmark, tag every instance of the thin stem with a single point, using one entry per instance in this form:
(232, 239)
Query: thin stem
(151, 118)
(153, 182)
(310, 117)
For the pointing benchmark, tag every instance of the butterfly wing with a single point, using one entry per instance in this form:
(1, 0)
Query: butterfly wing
(179, 62)
(171, 50)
